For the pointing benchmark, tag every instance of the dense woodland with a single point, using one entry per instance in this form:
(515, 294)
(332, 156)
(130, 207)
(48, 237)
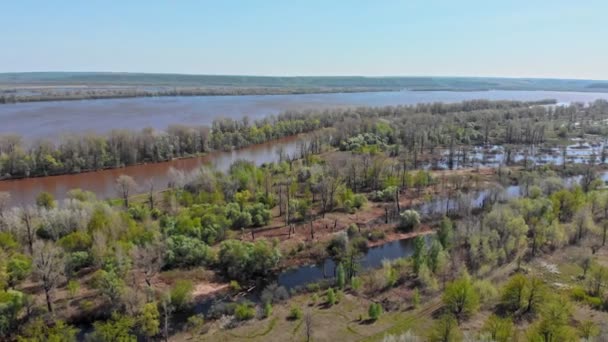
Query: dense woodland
(78, 153)
(129, 268)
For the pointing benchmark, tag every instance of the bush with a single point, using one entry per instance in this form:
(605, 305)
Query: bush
(374, 311)
(244, 311)
(376, 235)
(386, 195)
(181, 293)
(267, 310)
(295, 313)
(331, 297)
(185, 251)
(76, 261)
(235, 286)
(243, 260)
(359, 201)
(409, 220)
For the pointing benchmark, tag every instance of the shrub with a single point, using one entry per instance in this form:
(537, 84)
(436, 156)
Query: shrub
(416, 298)
(331, 297)
(185, 251)
(196, 324)
(374, 311)
(244, 311)
(267, 310)
(295, 313)
(235, 286)
(409, 220)
(376, 235)
(181, 293)
(359, 201)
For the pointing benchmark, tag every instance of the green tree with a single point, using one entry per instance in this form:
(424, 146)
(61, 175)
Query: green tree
(409, 220)
(499, 329)
(419, 256)
(45, 200)
(445, 329)
(181, 293)
(149, 320)
(117, 328)
(244, 311)
(340, 276)
(18, 268)
(331, 297)
(11, 303)
(514, 293)
(460, 297)
(374, 311)
(38, 331)
(446, 233)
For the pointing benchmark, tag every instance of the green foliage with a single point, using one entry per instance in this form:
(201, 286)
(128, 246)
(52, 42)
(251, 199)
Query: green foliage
(242, 260)
(295, 313)
(460, 297)
(196, 324)
(445, 329)
(374, 311)
(181, 293)
(331, 297)
(235, 286)
(184, 251)
(11, 303)
(38, 331)
(416, 298)
(340, 276)
(117, 328)
(18, 268)
(523, 294)
(498, 329)
(419, 255)
(409, 220)
(446, 233)
(244, 311)
(267, 309)
(45, 200)
(109, 284)
(73, 287)
(149, 320)
(553, 324)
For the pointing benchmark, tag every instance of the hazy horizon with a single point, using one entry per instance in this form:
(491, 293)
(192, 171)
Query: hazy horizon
(519, 39)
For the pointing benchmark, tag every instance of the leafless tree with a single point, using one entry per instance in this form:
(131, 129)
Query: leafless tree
(5, 199)
(308, 326)
(149, 259)
(48, 268)
(125, 185)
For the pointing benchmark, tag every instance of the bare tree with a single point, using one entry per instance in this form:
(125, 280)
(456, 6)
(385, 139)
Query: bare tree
(308, 326)
(150, 187)
(5, 198)
(149, 259)
(27, 215)
(48, 267)
(125, 185)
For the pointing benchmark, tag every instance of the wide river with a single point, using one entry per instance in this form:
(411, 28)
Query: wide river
(51, 119)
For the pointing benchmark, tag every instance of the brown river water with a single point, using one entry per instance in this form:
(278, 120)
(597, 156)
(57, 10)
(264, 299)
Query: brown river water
(102, 183)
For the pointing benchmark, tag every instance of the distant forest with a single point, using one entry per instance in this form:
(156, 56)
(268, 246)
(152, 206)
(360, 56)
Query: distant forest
(49, 86)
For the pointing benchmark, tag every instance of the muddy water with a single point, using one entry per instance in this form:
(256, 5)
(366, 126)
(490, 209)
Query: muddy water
(52, 119)
(102, 183)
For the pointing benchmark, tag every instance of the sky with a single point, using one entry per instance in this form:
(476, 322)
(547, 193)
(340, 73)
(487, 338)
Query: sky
(515, 38)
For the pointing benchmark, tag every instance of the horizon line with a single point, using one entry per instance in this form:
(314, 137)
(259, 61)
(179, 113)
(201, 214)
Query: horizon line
(306, 76)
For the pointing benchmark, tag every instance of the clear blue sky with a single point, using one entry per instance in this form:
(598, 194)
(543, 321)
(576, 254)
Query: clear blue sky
(514, 38)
